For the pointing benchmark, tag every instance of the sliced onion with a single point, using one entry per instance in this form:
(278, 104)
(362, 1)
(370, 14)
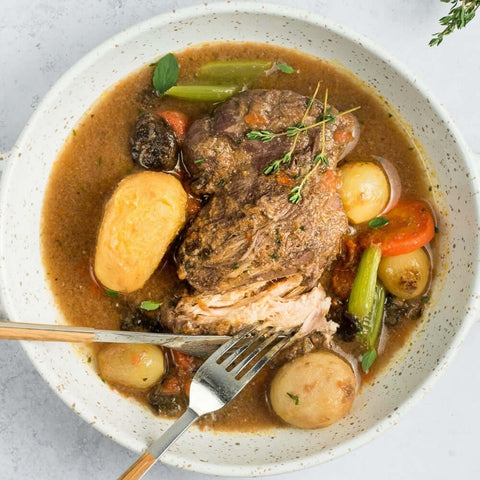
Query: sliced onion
(428, 250)
(353, 143)
(394, 181)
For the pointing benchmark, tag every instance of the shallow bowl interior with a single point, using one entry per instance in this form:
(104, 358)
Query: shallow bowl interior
(27, 298)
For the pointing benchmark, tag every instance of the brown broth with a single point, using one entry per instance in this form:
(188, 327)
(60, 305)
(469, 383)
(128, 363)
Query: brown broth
(97, 155)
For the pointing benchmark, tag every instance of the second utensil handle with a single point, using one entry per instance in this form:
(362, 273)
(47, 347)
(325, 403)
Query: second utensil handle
(53, 333)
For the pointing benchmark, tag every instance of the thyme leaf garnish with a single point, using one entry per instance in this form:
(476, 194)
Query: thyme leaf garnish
(368, 358)
(294, 132)
(263, 135)
(150, 305)
(378, 222)
(321, 159)
(285, 68)
(328, 116)
(294, 398)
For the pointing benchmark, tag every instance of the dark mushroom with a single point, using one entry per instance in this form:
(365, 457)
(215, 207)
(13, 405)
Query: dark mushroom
(154, 145)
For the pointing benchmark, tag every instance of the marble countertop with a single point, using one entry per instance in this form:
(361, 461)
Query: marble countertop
(40, 437)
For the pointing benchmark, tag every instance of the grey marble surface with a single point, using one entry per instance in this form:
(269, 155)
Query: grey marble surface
(40, 437)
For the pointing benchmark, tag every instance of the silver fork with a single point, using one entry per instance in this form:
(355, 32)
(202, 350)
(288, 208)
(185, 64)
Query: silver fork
(218, 381)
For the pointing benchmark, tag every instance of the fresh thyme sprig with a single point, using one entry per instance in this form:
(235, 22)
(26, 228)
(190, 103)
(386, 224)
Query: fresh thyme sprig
(320, 159)
(267, 135)
(294, 132)
(461, 12)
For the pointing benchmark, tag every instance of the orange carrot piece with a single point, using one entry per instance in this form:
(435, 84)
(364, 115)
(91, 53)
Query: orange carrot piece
(177, 121)
(254, 119)
(343, 136)
(283, 179)
(171, 385)
(182, 360)
(410, 226)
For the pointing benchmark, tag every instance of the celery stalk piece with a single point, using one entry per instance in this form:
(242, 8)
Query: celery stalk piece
(234, 71)
(363, 290)
(372, 323)
(203, 93)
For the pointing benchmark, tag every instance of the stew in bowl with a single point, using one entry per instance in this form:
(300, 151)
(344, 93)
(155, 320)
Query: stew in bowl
(398, 128)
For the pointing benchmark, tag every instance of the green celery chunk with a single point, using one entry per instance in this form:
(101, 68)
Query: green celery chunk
(363, 290)
(372, 323)
(203, 93)
(234, 70)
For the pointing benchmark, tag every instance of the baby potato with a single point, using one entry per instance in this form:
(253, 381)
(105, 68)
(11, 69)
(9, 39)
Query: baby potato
(405, 276)
(365, 190)
(143, 216)
(313, 391)
(131, 365)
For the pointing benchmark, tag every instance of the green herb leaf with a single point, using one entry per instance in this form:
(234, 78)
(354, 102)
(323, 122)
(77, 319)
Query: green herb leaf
(368, 359)
(283, 67)
(198, 161)
(295, 195)
(273, 167)
(150, 305)
(425, 299)
(294, 398)
(295, 130)
(461, 12)
(327, 116)
(263, 135)
(321, 158)
(378, 222)
(165, 74)
(111, 293)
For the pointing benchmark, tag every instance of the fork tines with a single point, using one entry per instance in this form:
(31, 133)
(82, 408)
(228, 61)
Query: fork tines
(253, 348)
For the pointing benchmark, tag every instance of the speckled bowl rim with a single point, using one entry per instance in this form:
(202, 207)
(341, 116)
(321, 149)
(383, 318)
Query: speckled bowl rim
(321, 22)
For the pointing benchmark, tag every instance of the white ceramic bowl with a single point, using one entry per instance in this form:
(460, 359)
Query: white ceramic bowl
(25, 292)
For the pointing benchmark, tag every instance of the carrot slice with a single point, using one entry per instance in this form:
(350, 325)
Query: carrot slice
(177, 121)
(410, 226)
(183, 361)
(283, 179)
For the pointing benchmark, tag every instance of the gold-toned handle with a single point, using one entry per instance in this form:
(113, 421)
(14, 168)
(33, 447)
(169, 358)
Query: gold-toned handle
(139, 468)
(32, 332)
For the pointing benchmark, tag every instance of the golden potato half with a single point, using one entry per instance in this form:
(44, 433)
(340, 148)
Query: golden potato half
(141, 219)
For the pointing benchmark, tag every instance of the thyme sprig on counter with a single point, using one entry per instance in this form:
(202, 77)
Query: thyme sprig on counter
(461, 12)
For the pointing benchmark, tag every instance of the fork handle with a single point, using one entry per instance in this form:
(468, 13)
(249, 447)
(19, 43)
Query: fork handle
(159, 446)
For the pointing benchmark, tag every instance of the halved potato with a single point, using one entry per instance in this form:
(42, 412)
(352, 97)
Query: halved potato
(143, 216)
(313, 391)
